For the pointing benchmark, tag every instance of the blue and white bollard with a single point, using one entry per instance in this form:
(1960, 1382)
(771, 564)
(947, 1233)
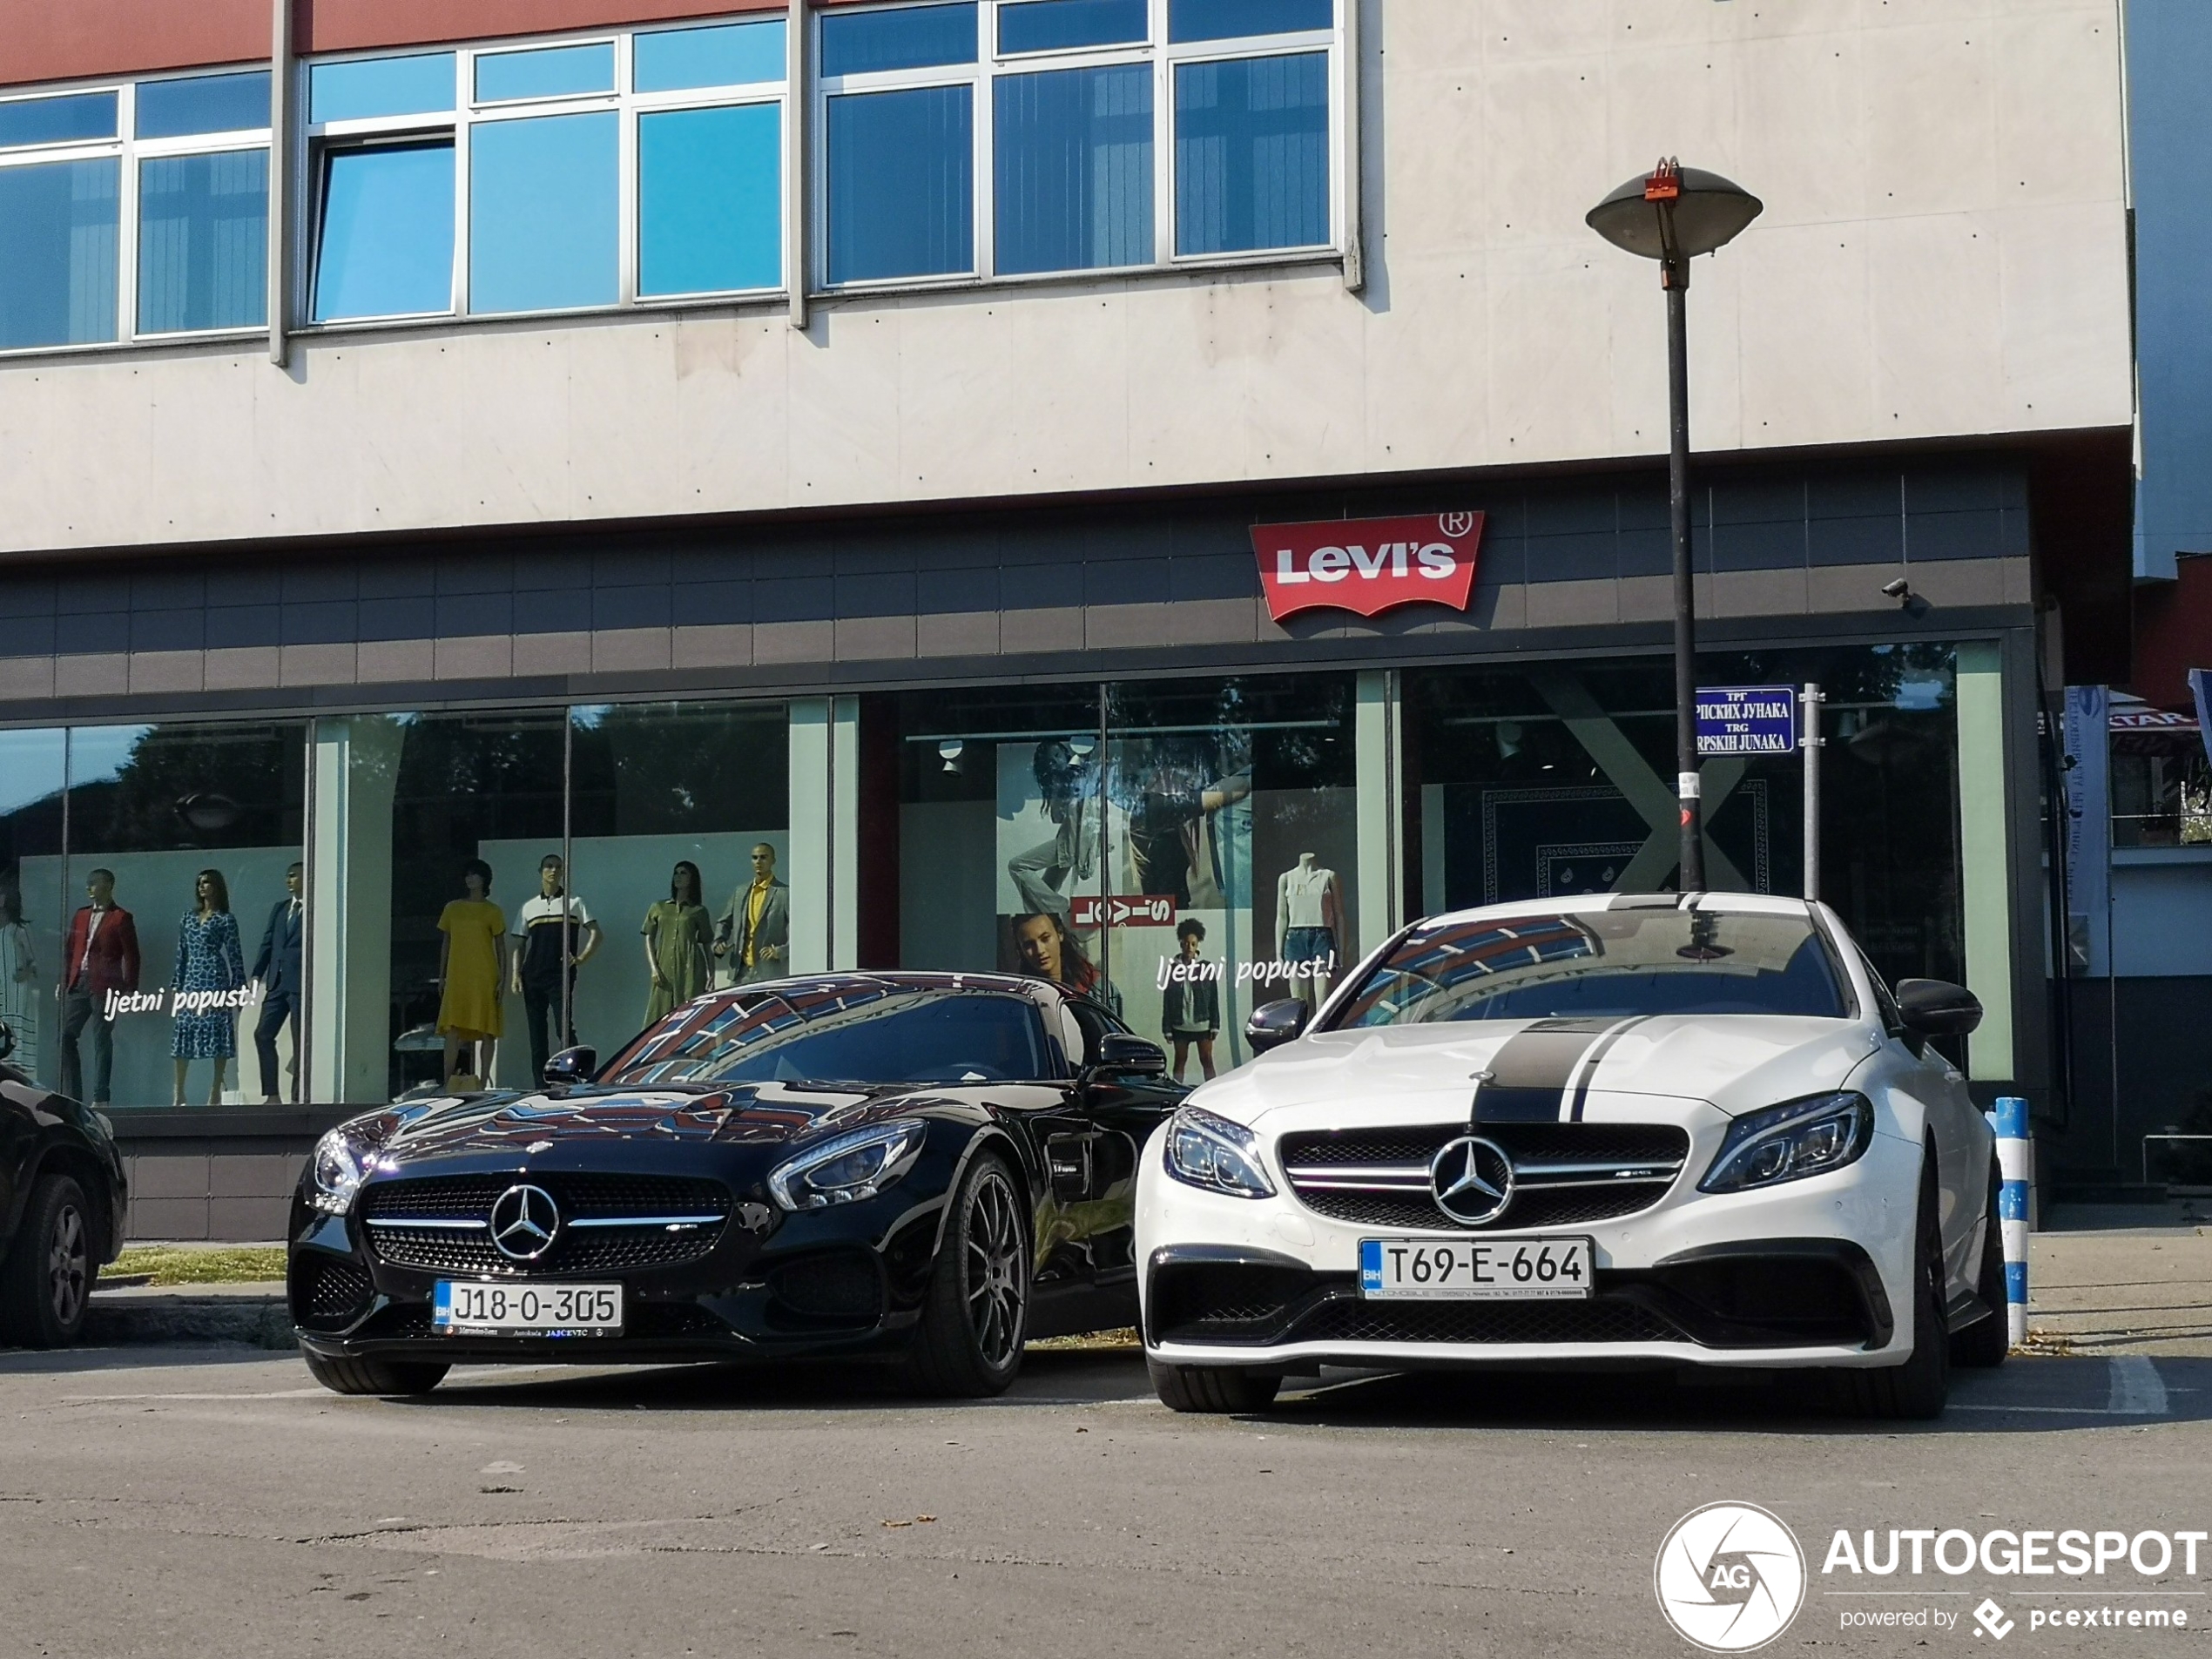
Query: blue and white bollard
(2015, 1168)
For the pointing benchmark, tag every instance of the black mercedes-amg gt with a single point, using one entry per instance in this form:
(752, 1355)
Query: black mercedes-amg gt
(925, 1168)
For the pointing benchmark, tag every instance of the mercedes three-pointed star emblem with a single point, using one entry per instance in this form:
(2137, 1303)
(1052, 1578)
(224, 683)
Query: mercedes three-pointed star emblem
(524, 1223)
(1472, 1179)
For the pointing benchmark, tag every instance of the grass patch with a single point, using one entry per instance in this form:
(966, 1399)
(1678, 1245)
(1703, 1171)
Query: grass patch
(1123, 1341)
(201, 1264)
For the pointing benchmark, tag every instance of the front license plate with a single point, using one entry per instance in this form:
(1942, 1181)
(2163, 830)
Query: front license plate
(1466, 1270)
(460, 1307)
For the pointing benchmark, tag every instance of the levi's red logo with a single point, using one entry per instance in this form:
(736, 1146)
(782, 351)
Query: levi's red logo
(1368, 565)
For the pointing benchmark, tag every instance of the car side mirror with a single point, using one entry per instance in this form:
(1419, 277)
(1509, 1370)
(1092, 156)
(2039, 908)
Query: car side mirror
(1120, 1054)
(1935, 1008)
(1273, 1024)
(7, 1041)
(570, 1068)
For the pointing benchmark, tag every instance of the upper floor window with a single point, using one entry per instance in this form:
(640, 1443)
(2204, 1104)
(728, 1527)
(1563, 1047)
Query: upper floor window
(1009, 138)
(548, 178)
(134, 210)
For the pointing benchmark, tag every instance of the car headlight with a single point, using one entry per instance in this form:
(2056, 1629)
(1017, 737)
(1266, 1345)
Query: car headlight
(1789, 1143)
(1213, 1153)
(334, 1171)
(848, 1168)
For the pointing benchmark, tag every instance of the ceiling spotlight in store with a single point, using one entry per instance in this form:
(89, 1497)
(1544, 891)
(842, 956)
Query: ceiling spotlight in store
(951, 750)
(1508, 740)
(206, 813)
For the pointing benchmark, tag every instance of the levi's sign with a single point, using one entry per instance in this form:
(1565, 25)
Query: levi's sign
(1368, 565)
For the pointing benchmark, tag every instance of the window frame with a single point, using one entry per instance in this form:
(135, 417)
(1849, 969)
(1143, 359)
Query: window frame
(629, 106)
(128, 151)
(982, 77)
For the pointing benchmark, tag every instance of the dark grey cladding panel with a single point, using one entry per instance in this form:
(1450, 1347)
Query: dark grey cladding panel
(640, 606)
(415, 617)
(95, 631)
(463, 614)
(1095, 560)
(711, 603)
(321, 622)
(886, 593)
(230, 626)
(558, 611)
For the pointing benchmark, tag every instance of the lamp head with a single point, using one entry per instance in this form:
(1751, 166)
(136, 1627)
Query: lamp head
(1674, 214)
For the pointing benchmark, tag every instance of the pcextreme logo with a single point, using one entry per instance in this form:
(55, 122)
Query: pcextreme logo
(1730, 1577)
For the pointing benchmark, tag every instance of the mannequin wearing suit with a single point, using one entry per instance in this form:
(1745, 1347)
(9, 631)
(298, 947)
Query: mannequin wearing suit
(277, 965)
(102, 956)
(753, 932)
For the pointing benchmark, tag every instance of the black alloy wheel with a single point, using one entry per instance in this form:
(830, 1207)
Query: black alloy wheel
(969, 1341)
(1920, 1387)
(48, 1282)
(375, 1376)
(1984, 1344)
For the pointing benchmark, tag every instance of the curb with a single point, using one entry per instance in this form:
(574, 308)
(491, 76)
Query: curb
(256, 1322)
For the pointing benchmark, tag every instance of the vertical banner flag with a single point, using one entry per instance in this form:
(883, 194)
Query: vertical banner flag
(2087, 750)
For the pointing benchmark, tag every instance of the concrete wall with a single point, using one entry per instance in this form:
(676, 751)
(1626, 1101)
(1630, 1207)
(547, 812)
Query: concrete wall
(1943, 254)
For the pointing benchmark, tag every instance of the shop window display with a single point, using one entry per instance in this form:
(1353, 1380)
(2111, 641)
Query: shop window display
(525, 846)
(137, 866)
(32, 904)
(1556, 780)
(1172, 850)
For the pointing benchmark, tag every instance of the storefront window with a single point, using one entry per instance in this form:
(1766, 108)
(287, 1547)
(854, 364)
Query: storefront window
(680, 843)
(180, 964)
(32, 769)
(535, 899)
(1182, 850)
(1555, 780)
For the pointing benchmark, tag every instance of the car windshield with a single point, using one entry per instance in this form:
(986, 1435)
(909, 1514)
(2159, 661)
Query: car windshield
(1602, 963)
(845, 1034)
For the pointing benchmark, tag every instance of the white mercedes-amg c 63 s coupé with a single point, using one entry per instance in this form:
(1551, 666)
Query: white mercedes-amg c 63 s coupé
(1664, 1130)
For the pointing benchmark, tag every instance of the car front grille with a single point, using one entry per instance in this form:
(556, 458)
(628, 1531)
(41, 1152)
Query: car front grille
(328, 1292)
(1564, 1174)
(610, 1224)
(1599, 1319)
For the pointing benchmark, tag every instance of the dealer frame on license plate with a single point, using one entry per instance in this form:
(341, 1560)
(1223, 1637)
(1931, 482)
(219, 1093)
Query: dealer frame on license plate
(1476, 1270)
(489, 1307)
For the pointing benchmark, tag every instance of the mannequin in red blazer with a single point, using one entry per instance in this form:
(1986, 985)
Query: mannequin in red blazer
(102, 956)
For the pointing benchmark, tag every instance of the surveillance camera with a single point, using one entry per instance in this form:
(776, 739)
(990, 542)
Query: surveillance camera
(1897, 588)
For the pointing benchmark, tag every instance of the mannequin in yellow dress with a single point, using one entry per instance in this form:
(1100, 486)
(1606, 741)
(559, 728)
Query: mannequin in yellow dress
(472, 966)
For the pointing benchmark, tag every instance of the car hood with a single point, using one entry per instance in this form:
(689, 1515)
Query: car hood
(751, 1114)
(1676, 1066)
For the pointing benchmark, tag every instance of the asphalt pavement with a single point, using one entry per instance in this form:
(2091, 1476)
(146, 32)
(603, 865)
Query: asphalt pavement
(176, 1501)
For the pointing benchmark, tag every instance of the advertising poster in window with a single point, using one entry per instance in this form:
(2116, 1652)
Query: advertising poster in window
(1162, 875)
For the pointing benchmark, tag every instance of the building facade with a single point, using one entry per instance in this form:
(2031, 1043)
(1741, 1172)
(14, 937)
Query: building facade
(640, 433)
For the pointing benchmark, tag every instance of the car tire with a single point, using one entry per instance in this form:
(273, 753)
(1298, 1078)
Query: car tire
(1918, 1389)
(1211, 1389)
(374, 1376)
(47, 1283)
(975, 1315)
(1983, 1344)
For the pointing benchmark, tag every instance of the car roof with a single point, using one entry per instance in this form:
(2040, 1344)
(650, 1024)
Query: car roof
(1737, 904)
(891, 978)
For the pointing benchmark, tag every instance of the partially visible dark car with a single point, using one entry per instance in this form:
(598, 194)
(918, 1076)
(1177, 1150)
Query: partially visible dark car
(927, 1168)
(62, 1207)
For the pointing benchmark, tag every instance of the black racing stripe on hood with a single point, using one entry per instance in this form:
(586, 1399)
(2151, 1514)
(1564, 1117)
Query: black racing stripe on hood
(1529, 1075)
(1603, 1046)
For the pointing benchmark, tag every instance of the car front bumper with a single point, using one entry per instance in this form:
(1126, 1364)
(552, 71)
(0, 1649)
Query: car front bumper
(1809, 1273)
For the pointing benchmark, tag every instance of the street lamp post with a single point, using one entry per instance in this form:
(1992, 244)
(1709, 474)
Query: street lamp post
(1675, 214)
